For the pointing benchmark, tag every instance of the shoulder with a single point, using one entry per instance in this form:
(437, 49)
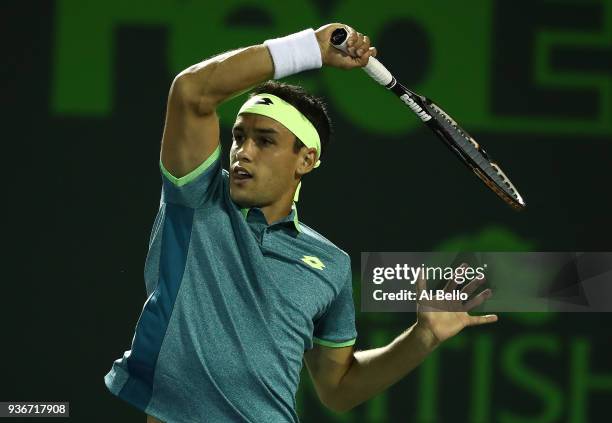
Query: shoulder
(317, 240)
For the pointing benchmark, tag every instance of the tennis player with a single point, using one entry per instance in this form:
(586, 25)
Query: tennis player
(240, 292)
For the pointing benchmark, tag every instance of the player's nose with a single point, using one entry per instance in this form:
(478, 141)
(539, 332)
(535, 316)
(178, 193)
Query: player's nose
(247, 150)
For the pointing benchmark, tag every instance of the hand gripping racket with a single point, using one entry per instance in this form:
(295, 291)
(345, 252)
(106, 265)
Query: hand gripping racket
(459, 141)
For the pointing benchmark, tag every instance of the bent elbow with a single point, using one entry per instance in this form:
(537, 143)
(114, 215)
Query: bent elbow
(189, 90)
(337, 405)
(339, 409)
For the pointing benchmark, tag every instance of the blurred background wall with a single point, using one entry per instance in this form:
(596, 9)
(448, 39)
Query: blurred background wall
(84, 87)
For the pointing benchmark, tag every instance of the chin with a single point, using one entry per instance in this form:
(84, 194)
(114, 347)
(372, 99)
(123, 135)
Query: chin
(241, 198)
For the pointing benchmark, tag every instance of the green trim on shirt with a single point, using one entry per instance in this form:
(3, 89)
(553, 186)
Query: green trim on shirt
(333, 344)
(296, 223)
(179, 182)
(295, 219)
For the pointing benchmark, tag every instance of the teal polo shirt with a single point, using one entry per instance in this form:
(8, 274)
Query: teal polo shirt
(233, 303)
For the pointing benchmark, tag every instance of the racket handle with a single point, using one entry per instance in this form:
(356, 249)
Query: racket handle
(377, 71)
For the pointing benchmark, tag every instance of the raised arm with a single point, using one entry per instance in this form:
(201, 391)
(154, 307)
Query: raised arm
(191, 132)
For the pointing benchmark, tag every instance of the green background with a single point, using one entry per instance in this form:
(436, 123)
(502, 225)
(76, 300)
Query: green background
(84, 90)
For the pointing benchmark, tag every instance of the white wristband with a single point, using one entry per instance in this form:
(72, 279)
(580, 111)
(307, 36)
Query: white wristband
(294, 53)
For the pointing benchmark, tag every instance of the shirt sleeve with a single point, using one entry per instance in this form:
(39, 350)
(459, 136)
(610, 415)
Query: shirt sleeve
(336, 327)
(193, 189)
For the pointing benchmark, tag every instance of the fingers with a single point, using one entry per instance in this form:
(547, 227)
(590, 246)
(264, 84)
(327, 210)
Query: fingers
(358, 48)
(421, 285)
(359, 45)
(473, 285)
(352, 40)
(363, 59)
(481, 320)
(452, 284)
(362, 46)
(478, 299)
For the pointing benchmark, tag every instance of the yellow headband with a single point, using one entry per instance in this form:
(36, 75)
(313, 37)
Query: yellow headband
(284, 113)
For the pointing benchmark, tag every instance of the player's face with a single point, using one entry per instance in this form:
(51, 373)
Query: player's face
(262, 161)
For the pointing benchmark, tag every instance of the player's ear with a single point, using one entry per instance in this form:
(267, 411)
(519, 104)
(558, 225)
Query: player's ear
(306, 160)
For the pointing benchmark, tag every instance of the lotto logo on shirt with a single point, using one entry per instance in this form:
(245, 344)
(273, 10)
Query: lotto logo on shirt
(313, 262)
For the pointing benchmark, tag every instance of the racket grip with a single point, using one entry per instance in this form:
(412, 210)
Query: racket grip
(376, 70)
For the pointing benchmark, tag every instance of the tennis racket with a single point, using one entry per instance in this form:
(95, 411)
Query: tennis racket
(471, 153)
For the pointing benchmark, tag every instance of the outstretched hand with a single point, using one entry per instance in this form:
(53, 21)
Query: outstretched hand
(439, 320)
(358, 46)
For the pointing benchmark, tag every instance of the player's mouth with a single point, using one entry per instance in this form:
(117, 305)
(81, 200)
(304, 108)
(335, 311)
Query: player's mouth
(241, 175)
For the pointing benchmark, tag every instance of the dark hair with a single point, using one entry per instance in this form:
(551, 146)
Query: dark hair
(310, 106)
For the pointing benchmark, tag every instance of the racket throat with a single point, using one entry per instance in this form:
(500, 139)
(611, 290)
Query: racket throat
(415, 107)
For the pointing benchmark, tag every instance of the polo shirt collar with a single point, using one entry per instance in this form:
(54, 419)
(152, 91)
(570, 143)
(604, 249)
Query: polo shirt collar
(290, 220)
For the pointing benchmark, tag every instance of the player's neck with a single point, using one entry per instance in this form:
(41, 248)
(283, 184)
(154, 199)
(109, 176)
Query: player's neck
(278, 210)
